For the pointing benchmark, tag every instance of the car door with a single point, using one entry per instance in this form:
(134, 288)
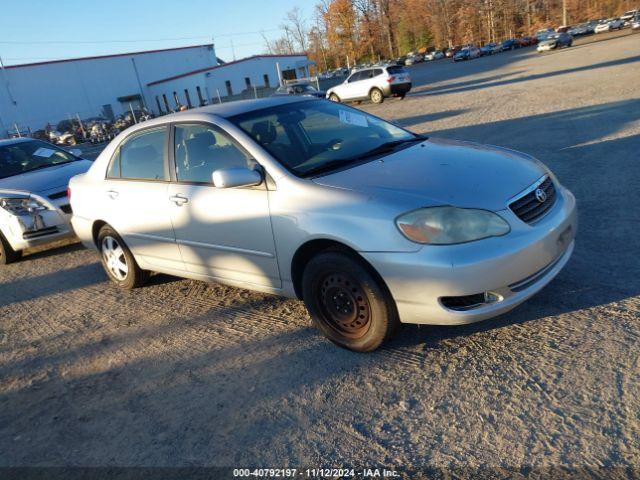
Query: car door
(223, 233)
(352, 87)
(136, 201)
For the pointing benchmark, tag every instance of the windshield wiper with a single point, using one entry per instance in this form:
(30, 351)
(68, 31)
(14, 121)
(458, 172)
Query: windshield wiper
(341, 162)
(330, 165)
(388, 147)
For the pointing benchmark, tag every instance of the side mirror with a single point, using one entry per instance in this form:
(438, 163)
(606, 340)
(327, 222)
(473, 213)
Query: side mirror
(236, 177)
(76, 152)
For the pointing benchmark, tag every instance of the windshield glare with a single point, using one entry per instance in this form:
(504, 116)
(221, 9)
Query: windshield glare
(306, 136)
(23, 157)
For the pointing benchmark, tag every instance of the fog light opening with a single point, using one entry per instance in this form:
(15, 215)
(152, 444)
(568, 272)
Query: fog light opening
(469, 302)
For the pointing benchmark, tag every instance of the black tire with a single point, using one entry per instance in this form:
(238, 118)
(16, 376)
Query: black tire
(376, 96)
(133, 276)
(347, 303)
(334, 98)
(8, 254)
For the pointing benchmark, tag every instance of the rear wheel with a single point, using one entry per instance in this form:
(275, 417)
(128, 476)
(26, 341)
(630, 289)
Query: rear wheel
(118, 261)
(334, 98)
(376, 96)
(347, 303)
(8, 254)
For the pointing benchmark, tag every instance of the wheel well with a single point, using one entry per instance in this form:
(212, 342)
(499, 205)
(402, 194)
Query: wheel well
(375, 88)
(95, 229)
(312, 248)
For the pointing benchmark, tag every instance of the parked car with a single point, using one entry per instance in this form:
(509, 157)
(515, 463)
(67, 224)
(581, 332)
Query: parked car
(435, 55)
(527, 41)
(627, 17)
(467, 53)
(375, 83)
(608, 25)
(34, 208)
(300, 88)
(450, 52)
(487, 49)
(510, 44)
(557, 40)
(543, 33)
(578, 30)
(370, 224)
(635, 24)
(413, 59)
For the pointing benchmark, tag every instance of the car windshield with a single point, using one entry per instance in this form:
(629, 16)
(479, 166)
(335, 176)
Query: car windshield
(313, 137)
(23, 157)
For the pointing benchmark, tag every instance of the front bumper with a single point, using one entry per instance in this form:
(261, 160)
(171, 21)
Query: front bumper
(509, 269)
(38, 228)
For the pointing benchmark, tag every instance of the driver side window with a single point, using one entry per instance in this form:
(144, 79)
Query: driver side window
(355, 77)
(200, 150)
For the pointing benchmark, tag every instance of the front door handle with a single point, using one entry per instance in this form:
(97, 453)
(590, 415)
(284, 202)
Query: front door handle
(179, 200)
(112, 194)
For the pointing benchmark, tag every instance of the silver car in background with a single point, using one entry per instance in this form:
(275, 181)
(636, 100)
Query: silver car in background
(370, 224)
(375, 83)
(34, 208)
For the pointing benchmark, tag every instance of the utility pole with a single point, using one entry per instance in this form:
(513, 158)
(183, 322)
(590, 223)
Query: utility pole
(564, 12)
(233, 50)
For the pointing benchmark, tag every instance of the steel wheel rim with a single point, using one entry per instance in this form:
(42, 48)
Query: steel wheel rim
(114, 258)
(344, 305)
(376, 96)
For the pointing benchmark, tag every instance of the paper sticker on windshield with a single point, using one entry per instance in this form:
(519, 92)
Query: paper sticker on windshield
(44, 152)
(352, 118)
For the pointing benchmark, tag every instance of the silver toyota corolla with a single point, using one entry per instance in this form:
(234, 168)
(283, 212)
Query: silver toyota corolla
(34, 208)
(369, 224)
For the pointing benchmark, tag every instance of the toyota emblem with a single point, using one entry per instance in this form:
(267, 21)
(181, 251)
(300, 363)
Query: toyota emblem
(541, 195)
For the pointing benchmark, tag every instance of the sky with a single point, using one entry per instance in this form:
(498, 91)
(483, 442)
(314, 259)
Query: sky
(37, 30)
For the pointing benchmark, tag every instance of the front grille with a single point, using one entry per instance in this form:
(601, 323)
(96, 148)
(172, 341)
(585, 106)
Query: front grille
(56, 196)
(66, 209)
(39, 233)
(533, 206)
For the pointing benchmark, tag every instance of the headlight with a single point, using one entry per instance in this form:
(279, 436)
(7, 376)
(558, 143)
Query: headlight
(21, 205)
(449, 225)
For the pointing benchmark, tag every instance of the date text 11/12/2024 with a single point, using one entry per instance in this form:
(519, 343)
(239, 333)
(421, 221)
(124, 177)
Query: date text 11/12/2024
(315, 473)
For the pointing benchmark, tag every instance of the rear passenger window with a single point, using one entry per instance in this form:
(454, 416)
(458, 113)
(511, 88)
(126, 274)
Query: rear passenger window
(141, 157)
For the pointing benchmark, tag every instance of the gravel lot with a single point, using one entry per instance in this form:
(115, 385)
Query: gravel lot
(182, 373)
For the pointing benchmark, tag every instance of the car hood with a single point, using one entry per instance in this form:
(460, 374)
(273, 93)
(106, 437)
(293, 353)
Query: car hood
(46, 179)
(551, 41)
(443, 172)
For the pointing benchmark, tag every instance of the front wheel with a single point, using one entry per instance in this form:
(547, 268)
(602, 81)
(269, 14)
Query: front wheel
(7, 253)
(334, 98)
(347, 303)
(376, 96)
(118, 261)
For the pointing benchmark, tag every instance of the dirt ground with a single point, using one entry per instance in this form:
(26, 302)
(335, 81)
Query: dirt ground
(181, 373)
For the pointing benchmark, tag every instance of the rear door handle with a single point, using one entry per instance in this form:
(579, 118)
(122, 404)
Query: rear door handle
(112, 194)
(179, 200)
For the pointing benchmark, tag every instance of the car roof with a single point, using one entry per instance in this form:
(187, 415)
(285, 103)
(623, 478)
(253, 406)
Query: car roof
(12, 141)
(230, 109)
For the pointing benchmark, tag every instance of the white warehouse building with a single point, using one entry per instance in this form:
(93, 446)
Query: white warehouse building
(36, 94)
(227, 80)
